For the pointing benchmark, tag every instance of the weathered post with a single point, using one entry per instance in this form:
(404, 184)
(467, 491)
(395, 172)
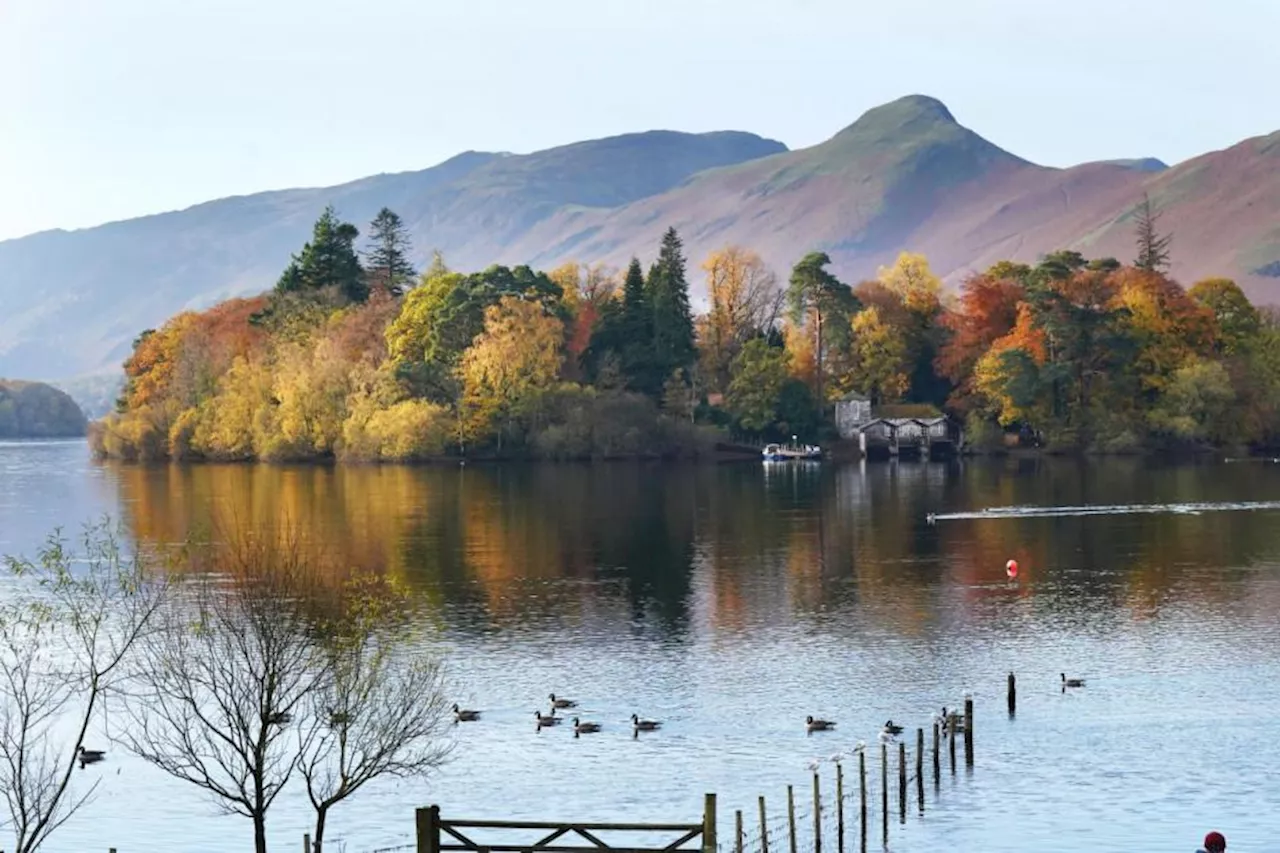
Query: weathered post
(862, 797)
(817, 815)
(968, 731)
(920, 767)
(764, 829)
(937, 767)
(708, 825)
(884, 788)
(839, 807)
(427, 823)
(791, 816)
(1013, 695)
(306, 842)
(951, 745)
(737, 834)
(902, 781)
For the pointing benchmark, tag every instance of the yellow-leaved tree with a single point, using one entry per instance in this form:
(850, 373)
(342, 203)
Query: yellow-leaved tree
(745, 300)
(516, 356)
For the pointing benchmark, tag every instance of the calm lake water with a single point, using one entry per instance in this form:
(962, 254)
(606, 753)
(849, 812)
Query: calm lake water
(730, 602)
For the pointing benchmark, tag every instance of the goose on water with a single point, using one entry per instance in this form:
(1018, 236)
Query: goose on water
(581, 728)
(90, 756)
(562, 703)
(818, 725)
(549, 720)
(280, 718)
(644, 725)
(891, 729)
(1071, 682)
(462, 715)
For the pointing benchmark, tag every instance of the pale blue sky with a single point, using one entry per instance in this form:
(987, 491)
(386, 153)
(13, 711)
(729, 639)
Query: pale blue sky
(116, 108)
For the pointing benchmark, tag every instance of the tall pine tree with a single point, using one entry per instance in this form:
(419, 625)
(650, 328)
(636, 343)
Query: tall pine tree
(387, 258)
(1153, 247)
(667, 292)
(327, 260)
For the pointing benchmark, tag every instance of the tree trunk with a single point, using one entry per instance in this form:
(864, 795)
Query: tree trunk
(317, 844)
(818, 362)
(260, 833)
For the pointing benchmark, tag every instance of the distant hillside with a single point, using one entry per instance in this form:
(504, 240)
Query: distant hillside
(905, 175)
(36, 410)
(74, 301)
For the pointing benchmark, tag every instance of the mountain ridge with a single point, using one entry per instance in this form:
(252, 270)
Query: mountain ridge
(904, 175)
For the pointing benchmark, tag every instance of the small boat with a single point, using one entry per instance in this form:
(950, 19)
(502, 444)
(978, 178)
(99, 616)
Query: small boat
(790, 453)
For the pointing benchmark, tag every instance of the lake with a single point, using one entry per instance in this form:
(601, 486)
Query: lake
(731, 601)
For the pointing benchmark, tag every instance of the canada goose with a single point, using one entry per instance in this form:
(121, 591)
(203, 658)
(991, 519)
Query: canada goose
(644, 725)
(581, 728)
(562, 703)
(549, 720)
(280, 718)
(1071, 682)
(818, 725)
(891, 729)
(90, 756)
(461, 715)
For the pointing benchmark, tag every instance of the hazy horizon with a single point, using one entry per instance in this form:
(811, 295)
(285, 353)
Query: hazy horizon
(109, 113)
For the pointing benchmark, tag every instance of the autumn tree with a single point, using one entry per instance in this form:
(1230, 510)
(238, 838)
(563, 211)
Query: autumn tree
(1153, 247)
(745, 300)
(588, 289)
(387, 257)
(821, 303)
(517, 355)
(986, 312)
(327, 261)
(1010, 375)
(881, 364)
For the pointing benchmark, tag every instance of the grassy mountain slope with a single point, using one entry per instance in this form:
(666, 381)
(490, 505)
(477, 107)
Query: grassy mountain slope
(74, 301)
(905, 175)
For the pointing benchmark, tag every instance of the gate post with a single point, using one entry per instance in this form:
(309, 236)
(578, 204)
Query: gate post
(427, 823)
(708, 826)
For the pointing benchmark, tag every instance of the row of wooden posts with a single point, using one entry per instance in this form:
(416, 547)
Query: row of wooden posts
(709, 834)
(439, 835)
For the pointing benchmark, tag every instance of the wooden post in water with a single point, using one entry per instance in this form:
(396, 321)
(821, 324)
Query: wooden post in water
(862, 796)
(791, 816)
(737, 834)
(306, 842)
(884, 788)
(1013, 695)
(968, 731)
(817, 815)
(902, 781)
(920, 768)
(951, 747)
(839, 807)
(708, 824)
(937, 767)
(427, 823)
(764, 829)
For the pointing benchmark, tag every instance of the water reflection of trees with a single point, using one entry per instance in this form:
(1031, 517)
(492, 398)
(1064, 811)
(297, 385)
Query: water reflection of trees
(616, 547)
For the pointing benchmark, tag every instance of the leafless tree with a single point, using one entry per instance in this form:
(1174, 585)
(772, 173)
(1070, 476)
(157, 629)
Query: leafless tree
(382, 710)
(71, 622)
(213, 697)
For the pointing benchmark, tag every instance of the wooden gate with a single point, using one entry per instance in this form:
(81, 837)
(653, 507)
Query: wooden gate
(441, 835)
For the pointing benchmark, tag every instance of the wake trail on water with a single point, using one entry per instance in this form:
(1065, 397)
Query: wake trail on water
(1111, 509)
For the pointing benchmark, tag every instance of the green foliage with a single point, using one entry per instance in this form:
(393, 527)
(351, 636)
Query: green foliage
(667, 294)
(387, 258)
(327, 261)
(759, 375)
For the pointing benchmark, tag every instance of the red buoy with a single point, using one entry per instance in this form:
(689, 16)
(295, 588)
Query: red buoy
(1011, 568)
